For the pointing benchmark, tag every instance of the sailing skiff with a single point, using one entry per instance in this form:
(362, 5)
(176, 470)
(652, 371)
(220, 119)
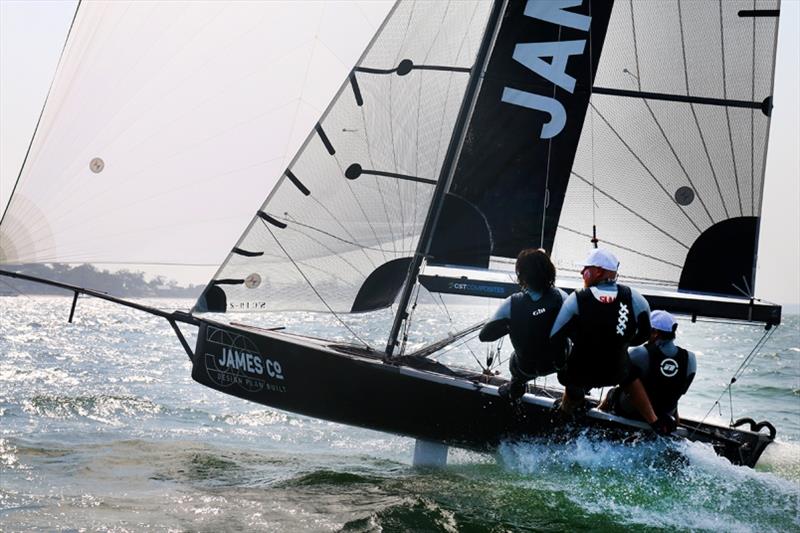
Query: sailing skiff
(464, 132)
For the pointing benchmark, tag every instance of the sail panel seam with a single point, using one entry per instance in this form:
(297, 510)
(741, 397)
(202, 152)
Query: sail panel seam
(643, 166)
(660, 260)
(601, 191)
(678, 160)
(752, 118)
(332, 252)
(361, 246)
(694, 113)
(727, 110)
(311, 286)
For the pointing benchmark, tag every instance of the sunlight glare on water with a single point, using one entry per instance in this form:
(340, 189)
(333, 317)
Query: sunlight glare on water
(102, 427)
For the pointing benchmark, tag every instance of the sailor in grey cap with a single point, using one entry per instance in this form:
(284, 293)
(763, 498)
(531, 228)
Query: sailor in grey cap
(602, 320)
(666, 371)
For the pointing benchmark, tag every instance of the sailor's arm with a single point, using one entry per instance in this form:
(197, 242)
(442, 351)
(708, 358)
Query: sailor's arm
(564, 326)
(641, 310)
(640, 360)
(691, 370)
(640, 364)
(499, 324)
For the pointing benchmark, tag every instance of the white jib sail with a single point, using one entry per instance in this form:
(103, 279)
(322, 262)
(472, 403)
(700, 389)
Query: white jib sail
(169, 122)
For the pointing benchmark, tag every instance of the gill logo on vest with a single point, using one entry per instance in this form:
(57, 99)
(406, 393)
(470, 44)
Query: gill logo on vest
(554, 71)
(669, 367)
(538, 312)
(622, 321)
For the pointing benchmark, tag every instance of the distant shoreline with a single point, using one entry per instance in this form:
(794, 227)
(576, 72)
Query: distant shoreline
(124, 283)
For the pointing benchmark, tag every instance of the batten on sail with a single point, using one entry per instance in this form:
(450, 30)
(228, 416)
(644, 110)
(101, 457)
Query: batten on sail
(666, 177)
(355, 197)
(667, 124)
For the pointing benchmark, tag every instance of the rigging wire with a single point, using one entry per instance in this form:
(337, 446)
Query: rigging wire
(739, 371)
(464, 339)
(546, 196)
(407, 322)
(449, 317)
(311, 286)
(594, 239)
(442, 307)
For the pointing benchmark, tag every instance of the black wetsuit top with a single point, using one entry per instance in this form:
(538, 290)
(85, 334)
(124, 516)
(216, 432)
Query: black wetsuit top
(666, 379)
(603, 332)
(528, 323)
(531, 323)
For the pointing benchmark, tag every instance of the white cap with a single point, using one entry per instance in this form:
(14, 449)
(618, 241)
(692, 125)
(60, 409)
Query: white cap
(662, 321)
(604, 259)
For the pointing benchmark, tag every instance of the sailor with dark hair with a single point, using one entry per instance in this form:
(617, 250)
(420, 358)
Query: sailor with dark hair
(602, 320)
(527, 317)
(666, 371)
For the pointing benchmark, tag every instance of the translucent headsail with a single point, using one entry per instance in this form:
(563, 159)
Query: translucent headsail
(169, 122)
(675, 187)
(350, 207)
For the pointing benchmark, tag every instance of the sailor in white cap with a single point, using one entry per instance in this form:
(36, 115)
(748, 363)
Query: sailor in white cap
(602, 320)
(666, 371)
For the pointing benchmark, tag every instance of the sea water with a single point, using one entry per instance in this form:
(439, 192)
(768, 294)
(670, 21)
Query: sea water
(102, 428)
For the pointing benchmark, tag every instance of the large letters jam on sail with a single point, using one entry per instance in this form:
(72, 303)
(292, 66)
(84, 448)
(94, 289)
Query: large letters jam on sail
(521, 142)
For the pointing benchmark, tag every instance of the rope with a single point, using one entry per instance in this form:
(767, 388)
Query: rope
(591, 135)
(465, 339)
(739, 371)
(348, 328)
(407, 322)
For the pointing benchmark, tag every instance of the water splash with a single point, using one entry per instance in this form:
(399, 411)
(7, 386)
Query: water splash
(658, 483)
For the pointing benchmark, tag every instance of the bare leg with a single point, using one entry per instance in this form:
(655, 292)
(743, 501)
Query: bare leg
(572, 399)
(606, 403)
(639, 398)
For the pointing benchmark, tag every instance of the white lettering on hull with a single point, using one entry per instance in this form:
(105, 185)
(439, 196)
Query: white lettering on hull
(253, 364)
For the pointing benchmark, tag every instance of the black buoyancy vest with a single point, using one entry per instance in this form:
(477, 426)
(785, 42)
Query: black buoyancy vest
(665, 381)
(604, 331)
(531, 323)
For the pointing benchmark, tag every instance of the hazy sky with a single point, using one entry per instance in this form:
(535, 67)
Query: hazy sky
(32, 35)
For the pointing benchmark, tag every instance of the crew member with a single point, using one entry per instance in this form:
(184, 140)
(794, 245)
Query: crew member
(666, 371)
(602, 320)
(528, 316)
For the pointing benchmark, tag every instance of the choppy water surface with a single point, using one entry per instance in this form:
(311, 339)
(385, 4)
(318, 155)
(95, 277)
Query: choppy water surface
(102, 428)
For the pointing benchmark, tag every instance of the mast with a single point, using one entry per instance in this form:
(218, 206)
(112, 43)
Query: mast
(448, 169)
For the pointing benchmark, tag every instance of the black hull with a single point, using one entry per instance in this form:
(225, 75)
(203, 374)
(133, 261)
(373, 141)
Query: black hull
(413, 397)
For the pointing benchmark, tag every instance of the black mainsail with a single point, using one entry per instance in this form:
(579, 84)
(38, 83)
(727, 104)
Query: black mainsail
(522, 139)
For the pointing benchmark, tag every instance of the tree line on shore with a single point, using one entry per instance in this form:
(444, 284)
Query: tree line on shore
(121, 283)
